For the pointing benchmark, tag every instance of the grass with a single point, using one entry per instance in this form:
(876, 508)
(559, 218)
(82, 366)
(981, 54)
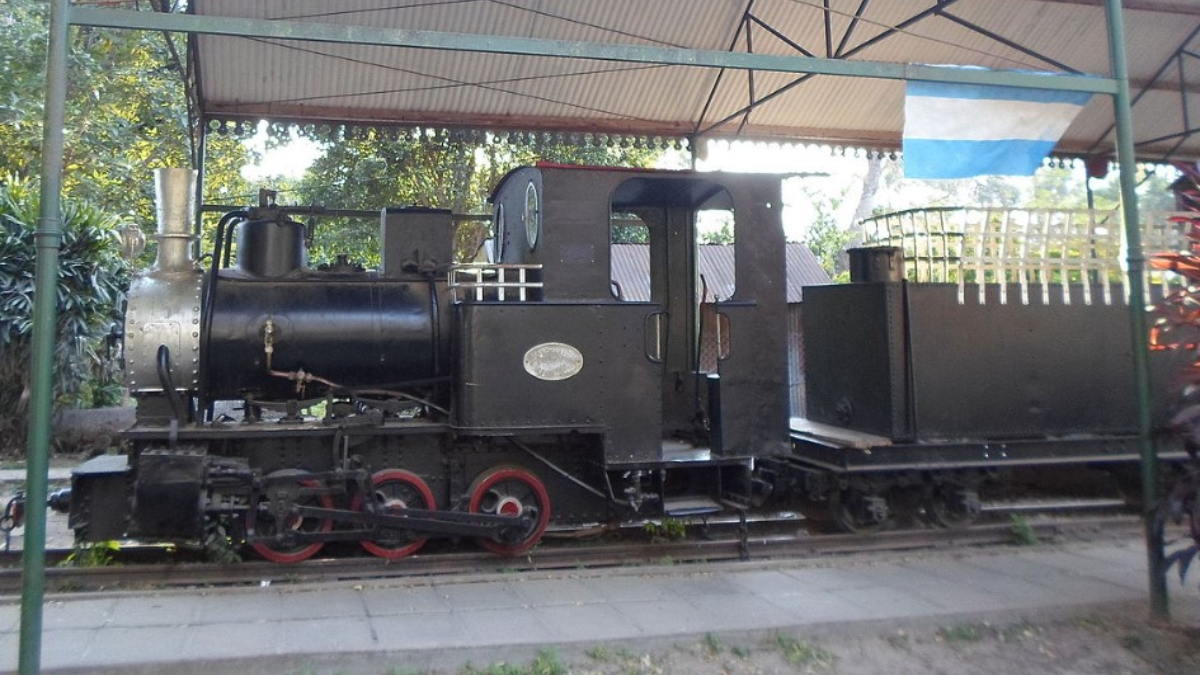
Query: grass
(712, 646)
(99, 554)
(606, 654)
(546, 663)
(670, 529)
(802, 653)
(967, 632)
(1022, 531)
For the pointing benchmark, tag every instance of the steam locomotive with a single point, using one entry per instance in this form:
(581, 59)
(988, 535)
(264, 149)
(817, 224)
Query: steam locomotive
(494, 400)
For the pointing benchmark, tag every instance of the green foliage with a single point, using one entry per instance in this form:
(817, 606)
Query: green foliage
(98, 554)
(711, 645)
(125, 111)
(546, 663)
(996, 191)
(434, 170)
(219, 546)
(723, 234)
(828, 242)
(801, 653)
(669, 529)
(630, 234)
(603, 654)
(92, 281)
(1022, 531)
(126, 114)
(961, 633)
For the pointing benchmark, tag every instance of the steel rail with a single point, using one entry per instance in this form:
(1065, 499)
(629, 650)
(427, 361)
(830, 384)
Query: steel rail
(558, 557)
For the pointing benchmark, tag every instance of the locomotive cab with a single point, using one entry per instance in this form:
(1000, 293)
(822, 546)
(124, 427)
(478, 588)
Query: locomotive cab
(670, 370)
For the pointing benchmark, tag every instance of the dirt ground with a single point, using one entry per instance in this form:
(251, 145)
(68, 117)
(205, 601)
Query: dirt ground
(1087, 644)
(1115, 641)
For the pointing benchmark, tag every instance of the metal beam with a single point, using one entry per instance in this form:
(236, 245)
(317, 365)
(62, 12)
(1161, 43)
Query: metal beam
(858, 15)
(495, 44)
(1011, 44)
(743, 24)
(1155, 80)
(935, 10)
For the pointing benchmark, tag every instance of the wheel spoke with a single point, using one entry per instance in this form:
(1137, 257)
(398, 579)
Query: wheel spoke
(267, 524)
(517, 493)
(396, 488)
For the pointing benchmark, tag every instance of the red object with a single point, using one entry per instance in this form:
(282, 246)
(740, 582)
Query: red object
(511, 491)
(1097, 165)
(294, 555)
(397, 488)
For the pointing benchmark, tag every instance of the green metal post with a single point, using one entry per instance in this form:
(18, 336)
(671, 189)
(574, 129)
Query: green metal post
(45, 311)
(1137, 306)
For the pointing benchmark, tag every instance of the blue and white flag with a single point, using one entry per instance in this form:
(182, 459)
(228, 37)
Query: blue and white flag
(964, 130)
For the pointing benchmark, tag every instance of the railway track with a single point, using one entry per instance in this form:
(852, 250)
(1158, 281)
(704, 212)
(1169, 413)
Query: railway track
(557, 556)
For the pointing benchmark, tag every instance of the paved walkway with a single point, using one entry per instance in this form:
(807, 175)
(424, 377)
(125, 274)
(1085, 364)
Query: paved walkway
(424, 622)
(17, 476)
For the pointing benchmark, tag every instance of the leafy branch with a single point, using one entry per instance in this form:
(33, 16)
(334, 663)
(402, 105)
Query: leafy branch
(1177, 326)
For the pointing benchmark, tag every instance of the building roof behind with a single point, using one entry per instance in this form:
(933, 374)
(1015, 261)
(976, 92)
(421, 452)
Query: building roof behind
(631, 270)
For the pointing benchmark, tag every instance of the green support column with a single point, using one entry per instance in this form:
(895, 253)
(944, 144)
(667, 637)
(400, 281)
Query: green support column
(45, 311)
(1137, 307)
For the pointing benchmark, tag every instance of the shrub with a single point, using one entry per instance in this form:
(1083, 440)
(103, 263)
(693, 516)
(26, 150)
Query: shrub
(92, 280)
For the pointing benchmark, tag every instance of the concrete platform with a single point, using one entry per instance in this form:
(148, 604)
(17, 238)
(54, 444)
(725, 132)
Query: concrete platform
(449, 621)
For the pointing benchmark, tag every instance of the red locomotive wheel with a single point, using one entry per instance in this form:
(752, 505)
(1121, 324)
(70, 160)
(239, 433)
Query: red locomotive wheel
(266, 525)
(512, 491)
(396, 488)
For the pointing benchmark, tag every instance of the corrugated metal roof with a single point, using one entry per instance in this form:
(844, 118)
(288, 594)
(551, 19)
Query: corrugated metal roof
(259, 78)
(631, 270)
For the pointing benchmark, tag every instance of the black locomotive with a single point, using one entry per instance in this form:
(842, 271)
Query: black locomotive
(491, 400)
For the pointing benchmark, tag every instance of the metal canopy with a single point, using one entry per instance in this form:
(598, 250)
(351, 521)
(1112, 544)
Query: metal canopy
(250, 77)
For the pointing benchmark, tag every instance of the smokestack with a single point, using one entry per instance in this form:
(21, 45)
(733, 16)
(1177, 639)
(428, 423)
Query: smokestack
(175, 193)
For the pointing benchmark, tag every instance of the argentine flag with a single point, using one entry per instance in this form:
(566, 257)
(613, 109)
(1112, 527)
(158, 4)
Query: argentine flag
(962, 130)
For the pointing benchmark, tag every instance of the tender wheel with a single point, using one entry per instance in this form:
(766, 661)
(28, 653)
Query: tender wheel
(396, 488)
(952, 506)
(517, 493)
(271, 516)
(858, 512)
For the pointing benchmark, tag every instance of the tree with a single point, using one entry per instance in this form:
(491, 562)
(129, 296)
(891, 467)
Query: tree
(126, 114)
(996, 191)
(125, 110)
(434, 169)
(828, 242)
